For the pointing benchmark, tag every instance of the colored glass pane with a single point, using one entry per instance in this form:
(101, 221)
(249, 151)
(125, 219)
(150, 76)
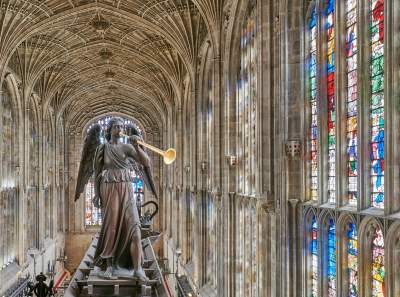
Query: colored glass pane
(314, 257)
(378, 268)
(312, 71)
(92, 213)
(377, 146)
(351, 101)
(331, 105)
(352, 263)
(331, 259)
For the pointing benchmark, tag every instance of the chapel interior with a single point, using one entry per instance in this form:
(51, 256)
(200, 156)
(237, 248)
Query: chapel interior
(284, 116)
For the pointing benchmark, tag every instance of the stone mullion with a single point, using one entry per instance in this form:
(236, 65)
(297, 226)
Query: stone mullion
(53, 177)
(217, 136)
(25, 169)
(197, 249)
(393, 56)
(340, 104)
(265, 95)
(193, 137)
(363, 85)
(3, 221)
(321, 103)
(40, 173)
(71, 181)
(391, 113)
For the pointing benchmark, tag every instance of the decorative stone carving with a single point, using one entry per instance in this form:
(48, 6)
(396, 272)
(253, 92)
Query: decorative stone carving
(100, 24)
(293, 149)
(232, 160)
(105, 54)
(268, 206)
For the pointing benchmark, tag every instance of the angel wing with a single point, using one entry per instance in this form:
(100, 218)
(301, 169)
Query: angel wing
(91, 142)
(145, 172)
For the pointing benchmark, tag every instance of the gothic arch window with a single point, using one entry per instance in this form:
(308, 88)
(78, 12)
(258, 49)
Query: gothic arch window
(372, 253)
(312, 253)
(393, 271)
(247, 98)
(92, 213)
(328, 251)
(348, 268)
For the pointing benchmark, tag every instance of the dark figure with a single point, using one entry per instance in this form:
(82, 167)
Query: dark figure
(41, 289)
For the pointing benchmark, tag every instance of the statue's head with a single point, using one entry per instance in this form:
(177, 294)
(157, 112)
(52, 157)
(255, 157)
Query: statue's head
(41, 278)
(114, 128)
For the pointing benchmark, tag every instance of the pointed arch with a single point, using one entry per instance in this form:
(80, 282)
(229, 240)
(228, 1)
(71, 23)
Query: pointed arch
(312, 251)
(348, 264)
(392, 244)
(372, 254)
(327, 238)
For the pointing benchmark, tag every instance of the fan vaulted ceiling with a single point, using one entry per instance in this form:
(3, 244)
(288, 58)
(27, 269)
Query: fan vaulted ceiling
(85, 58)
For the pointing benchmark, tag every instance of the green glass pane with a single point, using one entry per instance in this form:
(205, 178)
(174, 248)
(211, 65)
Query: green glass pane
(377, 100)
(377, 66)
(377, 83)
(331, 140)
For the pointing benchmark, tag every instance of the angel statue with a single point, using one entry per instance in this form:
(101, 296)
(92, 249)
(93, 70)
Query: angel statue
(111, 165)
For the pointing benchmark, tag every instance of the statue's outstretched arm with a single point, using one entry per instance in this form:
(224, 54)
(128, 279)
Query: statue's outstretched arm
(136, 152)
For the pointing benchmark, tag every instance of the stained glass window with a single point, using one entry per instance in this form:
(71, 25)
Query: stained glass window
(378, 268)
(377, 102)
(352, 263)
(331, 116)
(92, 213)
(247, 102)
(331, 259)
(314, 257)
(312, 83)
(351, 100)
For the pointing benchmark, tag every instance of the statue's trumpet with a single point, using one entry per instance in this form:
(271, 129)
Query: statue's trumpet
(169, 155)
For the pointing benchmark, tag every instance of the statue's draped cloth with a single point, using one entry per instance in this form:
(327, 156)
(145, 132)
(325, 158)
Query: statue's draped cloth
(120, 214)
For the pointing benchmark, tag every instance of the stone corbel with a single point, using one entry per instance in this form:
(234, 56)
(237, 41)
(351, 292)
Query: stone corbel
(217, 196)
(268, 206)
(293, 202)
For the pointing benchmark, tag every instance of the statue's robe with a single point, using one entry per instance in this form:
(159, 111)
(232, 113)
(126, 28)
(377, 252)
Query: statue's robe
(121, 225)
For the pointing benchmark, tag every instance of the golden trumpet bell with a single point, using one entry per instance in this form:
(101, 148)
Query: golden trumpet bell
(169, 156)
